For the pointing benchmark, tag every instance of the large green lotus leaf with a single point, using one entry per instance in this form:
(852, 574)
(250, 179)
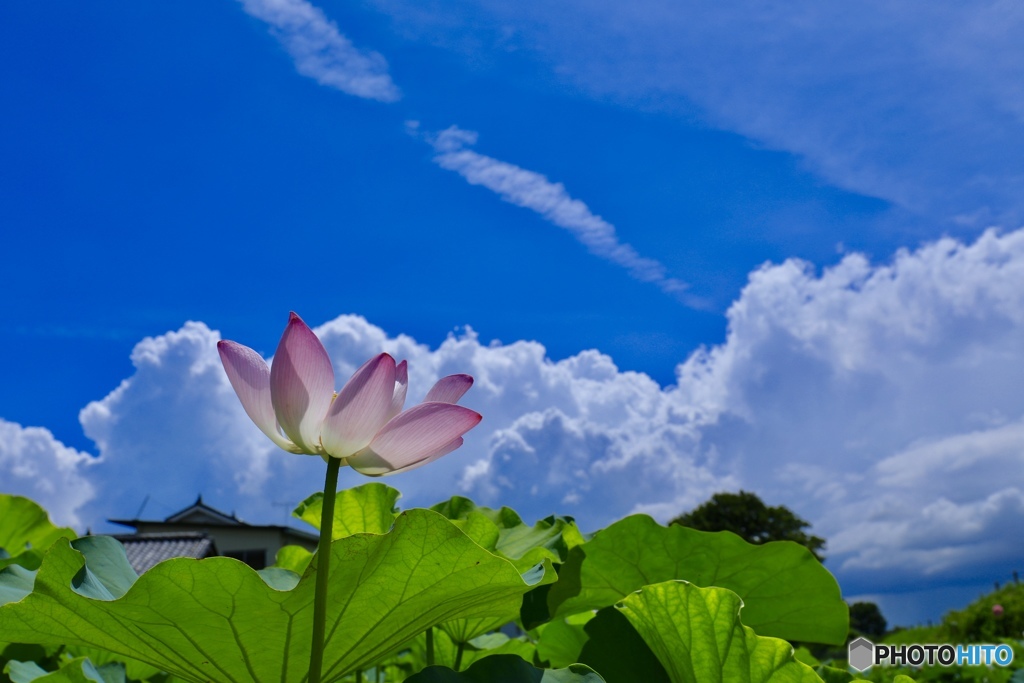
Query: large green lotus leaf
(366, 509)
(505, 534)
(506, 669)
(696, 634)
(459, 507)
(15, 583)
(465, 630)
(25, 528)
(787, 593)
(372, 508)
(802, 654)
(615, 649)
(78, 670)
(217, 620)
(19, 672)
(830, 674)
(535, 611)
(107, 574)
(22, 672)
(29, 559)
(279, 579)
(560, 641)
(24, 652)
(293, 558)
(494, 644)
(503, 531)
(134, 669)
(446, 649)
(112, 672)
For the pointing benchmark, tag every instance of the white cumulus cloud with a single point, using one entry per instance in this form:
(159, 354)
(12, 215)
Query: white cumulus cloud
(580, 427)
(886, 399)
(36, 465)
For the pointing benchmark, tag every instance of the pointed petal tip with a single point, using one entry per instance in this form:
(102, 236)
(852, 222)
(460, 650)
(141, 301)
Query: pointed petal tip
(302, 384)
(385, 358)
(250, 378)
(420, 431)
(401, 389)
(449, 389)
(230, 350)
(471, 417)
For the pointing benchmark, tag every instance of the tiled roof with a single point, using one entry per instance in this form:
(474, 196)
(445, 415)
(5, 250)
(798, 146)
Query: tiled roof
(202, 516)
(202, 513)
(145, 550)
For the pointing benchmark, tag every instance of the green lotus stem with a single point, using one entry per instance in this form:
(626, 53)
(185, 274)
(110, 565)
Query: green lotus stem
(458, 656)
(359, 676)
(430, 646)
(323, 568)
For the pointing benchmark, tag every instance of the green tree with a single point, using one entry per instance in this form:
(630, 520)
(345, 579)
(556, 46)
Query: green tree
(747, 516)
(866, 619)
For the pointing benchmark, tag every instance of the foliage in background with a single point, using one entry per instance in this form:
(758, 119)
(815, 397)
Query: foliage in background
(746, 515)
(976, 623)
(866, 620)
(979, 622)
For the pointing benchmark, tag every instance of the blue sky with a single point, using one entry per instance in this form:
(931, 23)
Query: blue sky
(717, 248)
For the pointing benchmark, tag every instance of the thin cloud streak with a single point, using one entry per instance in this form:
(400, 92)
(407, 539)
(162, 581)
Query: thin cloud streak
(534, 191)
(917, 104)
(321, 52)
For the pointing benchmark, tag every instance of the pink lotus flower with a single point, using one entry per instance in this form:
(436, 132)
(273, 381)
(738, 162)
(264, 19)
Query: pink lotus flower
(294, 404)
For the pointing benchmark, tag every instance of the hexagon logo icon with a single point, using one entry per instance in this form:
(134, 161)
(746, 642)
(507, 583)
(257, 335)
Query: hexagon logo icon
(861, 654)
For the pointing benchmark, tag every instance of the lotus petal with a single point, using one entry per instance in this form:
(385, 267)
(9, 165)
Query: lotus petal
(301, 384)
(361, 408)
(420, 432)
(293, 402)
(250, 378)
(449, 389)
(369, 463)
(401, 389)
